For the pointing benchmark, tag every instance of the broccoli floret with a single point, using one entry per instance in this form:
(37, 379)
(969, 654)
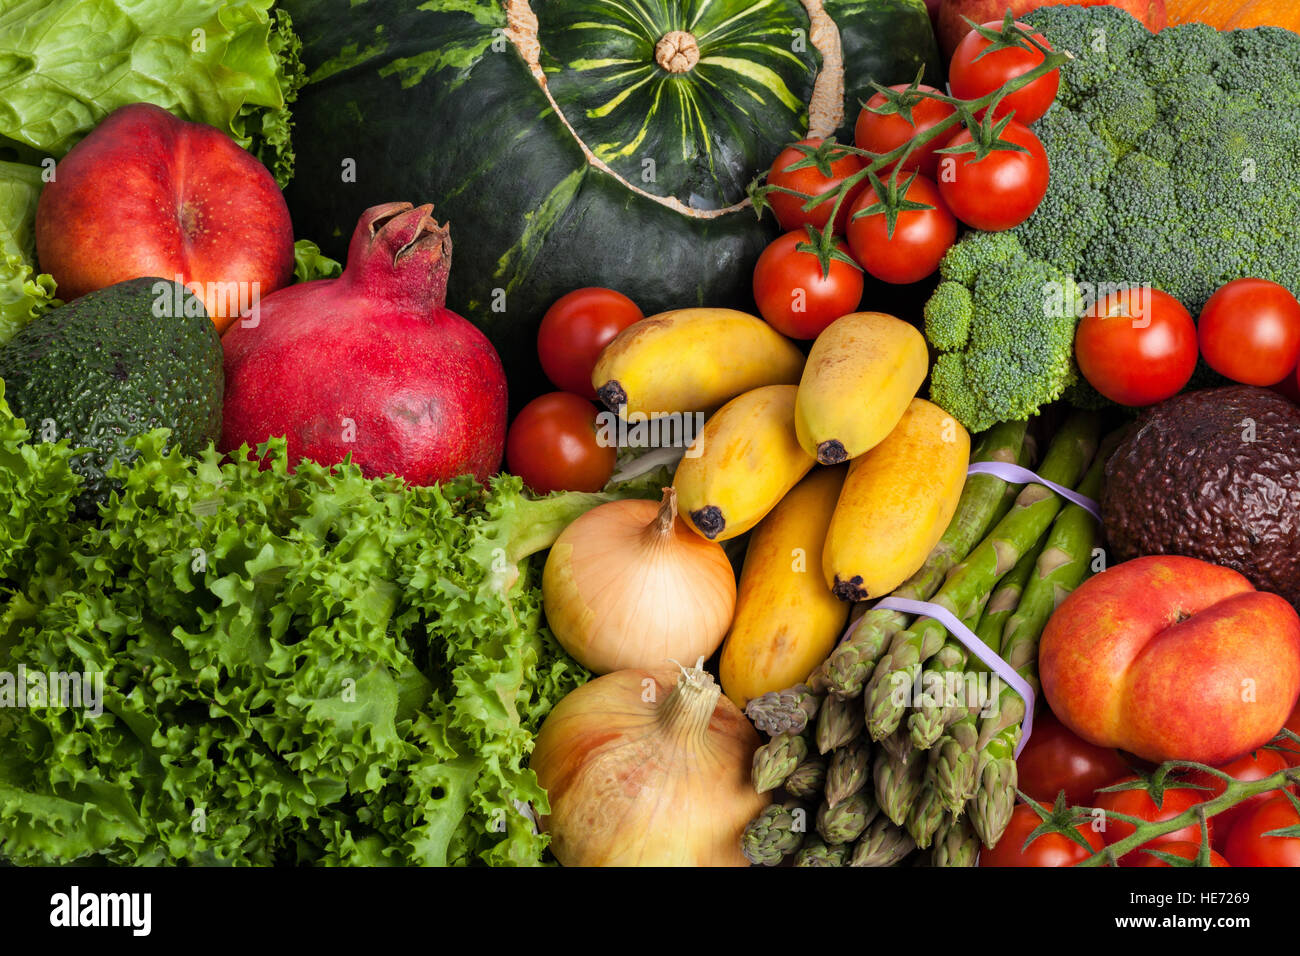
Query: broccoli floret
(948, 316)
(1005, 325)
(1177, 168)
(1173, 164)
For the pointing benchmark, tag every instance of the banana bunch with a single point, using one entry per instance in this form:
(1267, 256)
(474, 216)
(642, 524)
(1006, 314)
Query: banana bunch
(845, 477)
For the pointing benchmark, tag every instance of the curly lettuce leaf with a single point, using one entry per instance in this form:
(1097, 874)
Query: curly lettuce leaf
(297, 668)
(69, 63)
(23, 293)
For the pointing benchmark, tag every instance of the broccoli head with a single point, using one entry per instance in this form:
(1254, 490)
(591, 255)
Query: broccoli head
(1004, 324)
(1173, 164)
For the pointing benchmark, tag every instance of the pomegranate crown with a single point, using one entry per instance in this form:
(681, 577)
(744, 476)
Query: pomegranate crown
(401, 249)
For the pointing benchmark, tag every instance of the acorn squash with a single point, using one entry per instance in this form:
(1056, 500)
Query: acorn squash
(580, 142)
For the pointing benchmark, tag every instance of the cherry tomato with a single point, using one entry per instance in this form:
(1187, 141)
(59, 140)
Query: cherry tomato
(1001, 190)
(1253, 766)
(1138, 803)
(554, 445)
(920, 238)
(794, 296)
(883, 133)
(973, 74)
(575, 329)
(1137, 347)
(1050, 849)
(789, 209)
(1056, 759)
(1248, 844)
(1185, 849)
(1250, 332)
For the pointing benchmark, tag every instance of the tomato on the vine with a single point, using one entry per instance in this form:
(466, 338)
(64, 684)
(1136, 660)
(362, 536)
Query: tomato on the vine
(1001, 190)
(1175, 801)
(1249, 331)
(792, 293)
(884, 132)
(1050, 849)
(973, 73)
(1252, 766)
(1290, 748)
(1249, 843)
(809, 181)
(554, 445)
(1183, 849)
(1137, 346)
(575, 329)
(1056, 759)
(920, 239)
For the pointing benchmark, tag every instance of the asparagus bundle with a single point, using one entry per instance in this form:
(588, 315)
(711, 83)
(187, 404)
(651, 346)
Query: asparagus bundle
(953, 771)
(1062, 566)
(968, 585)
(875, 805)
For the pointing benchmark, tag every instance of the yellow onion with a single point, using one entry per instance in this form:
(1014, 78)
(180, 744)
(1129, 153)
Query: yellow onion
(648, 768)
(628, 584)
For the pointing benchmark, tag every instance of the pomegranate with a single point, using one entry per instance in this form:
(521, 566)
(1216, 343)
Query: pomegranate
(371, 364)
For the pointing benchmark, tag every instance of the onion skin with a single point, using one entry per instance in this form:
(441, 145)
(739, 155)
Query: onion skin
(629, 584)
(663, 782)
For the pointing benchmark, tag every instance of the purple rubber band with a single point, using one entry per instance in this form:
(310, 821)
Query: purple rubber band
(1023, 476)
(981, 650)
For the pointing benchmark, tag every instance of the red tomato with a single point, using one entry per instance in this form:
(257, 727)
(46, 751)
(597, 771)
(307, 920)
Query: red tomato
(1254, 766)
(972, 75)
(882, 134)
(1056, 759)
(1050, 849)
(789, 209)
(794, 296)
(920, 238)
(575, 329)
(1249, 846)
(1184, 849)
(1250, 332)
(1001, 190)
(554, 445)
(1291, 749)
(1137, 350)
(1138, 803)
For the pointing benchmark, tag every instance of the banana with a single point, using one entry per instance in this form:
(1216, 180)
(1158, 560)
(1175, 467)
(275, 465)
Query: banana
(862, 371)
(787, 620)
(741, 464)
(692, 360)
(896, 503)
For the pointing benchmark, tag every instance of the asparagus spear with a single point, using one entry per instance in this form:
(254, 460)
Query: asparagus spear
(816, 853)
(897, 784)
(808, 779)
(899, 746)
(968, 584)
(954, 762)
(955, 843)
(1062, 566)
(844, 823)
(784, 711)
(848, 770)
(984, 500)
(883, 844)
(838, 722)
(775, 833)
(925, 815)
(775, 760)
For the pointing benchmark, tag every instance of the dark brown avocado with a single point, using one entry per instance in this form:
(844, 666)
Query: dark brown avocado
(1212, 474)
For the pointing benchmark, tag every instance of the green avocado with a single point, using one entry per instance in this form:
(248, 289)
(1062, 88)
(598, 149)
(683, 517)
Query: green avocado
(115, 364)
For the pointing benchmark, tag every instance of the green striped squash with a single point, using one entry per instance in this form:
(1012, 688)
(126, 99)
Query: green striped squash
(579, 142)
